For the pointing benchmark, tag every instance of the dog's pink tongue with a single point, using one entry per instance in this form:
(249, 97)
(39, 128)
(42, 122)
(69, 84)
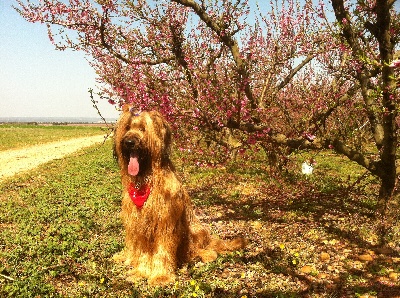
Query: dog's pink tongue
(133, 166)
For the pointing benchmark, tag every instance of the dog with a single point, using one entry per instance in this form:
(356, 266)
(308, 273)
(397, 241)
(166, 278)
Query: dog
(161, 229)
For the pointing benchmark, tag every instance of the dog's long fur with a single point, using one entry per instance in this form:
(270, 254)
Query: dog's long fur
(164, 233)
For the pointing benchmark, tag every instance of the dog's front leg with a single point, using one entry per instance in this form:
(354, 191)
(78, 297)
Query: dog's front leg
(158, 269)
(170, 241)
(163, 266)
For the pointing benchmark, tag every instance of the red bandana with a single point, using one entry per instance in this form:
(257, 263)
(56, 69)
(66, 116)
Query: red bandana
(139, 195)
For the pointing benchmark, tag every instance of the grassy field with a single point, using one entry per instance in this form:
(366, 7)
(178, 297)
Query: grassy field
(308, 236)
(17, 136)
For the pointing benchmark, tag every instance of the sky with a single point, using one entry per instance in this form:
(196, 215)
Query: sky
(38, 81)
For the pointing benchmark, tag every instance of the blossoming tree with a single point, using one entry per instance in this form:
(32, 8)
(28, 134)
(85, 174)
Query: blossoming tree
(286, 73)
(213, 66)
(369, 33)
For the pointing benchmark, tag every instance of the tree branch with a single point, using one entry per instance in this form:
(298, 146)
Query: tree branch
(119, 56)
(228, 41)
(374, 167)
(294, 71)
(103, 39)
(177, 40)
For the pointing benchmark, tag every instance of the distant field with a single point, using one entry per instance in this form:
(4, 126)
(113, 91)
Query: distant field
(22, 135)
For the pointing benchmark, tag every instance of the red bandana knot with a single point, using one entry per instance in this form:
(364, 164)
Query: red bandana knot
(139, 195)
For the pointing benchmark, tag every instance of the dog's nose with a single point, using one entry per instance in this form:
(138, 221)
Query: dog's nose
(131, 142)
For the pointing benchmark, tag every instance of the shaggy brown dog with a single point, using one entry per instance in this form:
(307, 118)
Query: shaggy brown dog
(162, 231)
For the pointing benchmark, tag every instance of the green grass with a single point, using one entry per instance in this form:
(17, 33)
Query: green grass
(60, 223)
(60, 227)
(22, 135)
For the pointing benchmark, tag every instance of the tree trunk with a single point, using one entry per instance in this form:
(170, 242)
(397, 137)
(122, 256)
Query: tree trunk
(381, 30)
(386, 211)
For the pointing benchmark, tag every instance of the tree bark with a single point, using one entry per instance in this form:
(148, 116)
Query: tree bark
(382, 115)
(388, 155)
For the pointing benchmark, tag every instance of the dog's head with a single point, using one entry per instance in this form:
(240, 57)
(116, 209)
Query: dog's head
(142, 141)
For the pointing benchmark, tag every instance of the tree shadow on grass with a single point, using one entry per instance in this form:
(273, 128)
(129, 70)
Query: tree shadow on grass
(343, 213)
(323, 208)
(339, 288)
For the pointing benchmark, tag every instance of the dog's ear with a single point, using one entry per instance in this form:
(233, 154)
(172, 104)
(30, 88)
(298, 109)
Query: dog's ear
(166, 150)
(115, 153)
(167, 135)
(120, 130)
(163, 127)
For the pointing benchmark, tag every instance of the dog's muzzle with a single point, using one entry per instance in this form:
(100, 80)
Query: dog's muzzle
(134, 154)
(132, 143)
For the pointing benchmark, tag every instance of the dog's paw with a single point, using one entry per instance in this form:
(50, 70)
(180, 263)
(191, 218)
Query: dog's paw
(135, 276)
(132, 277)
(120, 257)
(207, 255)
(161, 280)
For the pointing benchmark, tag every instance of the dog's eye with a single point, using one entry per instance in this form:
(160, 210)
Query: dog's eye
(142, 128)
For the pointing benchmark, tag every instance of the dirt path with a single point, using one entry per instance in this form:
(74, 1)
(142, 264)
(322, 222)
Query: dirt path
(20, 160)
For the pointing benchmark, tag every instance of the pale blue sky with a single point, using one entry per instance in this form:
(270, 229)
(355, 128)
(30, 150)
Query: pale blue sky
(38, 81)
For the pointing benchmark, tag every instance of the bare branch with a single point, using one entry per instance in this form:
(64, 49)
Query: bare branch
(294, 71)
(110, 49)
(354, 155)
(7, 277)
(227, 40)
(121, 57)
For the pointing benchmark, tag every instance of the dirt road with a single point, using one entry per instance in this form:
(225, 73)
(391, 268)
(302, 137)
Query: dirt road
(20, 160)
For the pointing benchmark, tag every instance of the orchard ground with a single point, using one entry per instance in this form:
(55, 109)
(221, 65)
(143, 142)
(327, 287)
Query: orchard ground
(309, 236)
